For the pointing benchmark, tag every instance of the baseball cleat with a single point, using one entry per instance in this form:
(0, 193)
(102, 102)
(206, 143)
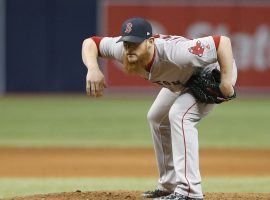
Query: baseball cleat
(176, 196)
(155, 194)
(189, 198)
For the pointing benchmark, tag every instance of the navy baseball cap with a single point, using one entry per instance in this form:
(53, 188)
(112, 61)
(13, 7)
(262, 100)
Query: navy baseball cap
(135, 30)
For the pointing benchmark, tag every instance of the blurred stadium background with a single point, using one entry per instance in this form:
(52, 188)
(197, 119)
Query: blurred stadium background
(42, 90)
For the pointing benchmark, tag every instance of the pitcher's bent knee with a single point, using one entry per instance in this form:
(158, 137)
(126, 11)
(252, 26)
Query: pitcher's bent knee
(152, 118)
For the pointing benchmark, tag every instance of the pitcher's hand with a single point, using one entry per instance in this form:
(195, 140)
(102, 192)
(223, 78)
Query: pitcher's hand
(95, 82)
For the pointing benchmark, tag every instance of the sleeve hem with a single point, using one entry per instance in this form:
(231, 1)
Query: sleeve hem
(97, 41)
(216, 39)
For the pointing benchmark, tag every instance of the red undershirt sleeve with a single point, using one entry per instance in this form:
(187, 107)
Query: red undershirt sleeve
(216, 39)
(97, 40)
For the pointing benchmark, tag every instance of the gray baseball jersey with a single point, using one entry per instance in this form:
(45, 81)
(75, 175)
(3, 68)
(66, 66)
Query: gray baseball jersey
(175, 58)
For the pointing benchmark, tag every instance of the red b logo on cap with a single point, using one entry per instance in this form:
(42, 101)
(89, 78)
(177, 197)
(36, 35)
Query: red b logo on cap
(128, 28)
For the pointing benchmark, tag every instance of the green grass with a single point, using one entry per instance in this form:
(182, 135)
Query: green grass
(242, 123)
(121, 122)
(29, 186)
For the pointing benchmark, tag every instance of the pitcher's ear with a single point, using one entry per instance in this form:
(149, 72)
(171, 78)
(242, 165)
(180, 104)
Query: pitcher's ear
(151, 40)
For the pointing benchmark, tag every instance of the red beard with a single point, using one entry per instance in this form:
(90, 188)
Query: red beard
(135, 67)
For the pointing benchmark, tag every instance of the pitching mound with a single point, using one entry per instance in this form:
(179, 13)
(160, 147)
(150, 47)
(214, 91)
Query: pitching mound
(135, 195)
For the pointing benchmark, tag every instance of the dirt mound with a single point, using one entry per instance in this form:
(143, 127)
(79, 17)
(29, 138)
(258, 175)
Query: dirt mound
(135, 195)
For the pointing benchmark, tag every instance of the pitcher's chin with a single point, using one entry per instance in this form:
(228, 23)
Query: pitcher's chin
(132, 59)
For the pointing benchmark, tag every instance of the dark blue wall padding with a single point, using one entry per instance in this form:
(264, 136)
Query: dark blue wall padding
(44, 39)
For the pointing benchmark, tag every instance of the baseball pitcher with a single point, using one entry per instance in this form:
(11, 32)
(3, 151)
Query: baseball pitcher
(195, 76)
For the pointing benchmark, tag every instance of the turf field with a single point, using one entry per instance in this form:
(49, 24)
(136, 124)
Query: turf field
(77, 121)
(117, 122)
